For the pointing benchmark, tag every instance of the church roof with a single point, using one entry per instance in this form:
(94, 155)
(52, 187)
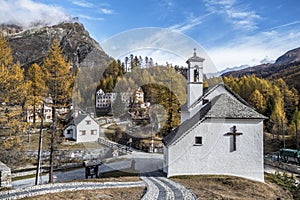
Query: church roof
(71, 114)
(210, 90)
(77, 120)
(222, 106)
(225, 106)
(195, 58)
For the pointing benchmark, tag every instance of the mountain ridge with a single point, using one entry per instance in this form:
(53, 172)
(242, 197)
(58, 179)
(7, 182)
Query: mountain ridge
(32, 45)
(286, 66)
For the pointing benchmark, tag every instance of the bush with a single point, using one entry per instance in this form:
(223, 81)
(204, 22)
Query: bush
(287, 182)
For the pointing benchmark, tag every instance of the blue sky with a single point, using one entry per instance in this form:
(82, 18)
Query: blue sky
(232, 32)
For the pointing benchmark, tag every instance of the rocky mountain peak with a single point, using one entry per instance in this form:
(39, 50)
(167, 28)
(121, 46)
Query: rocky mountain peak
(291, 56)
(7, 29)
(32, 45)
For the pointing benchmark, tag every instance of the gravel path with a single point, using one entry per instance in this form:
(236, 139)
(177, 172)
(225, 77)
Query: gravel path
(161, 188)
(61, 187)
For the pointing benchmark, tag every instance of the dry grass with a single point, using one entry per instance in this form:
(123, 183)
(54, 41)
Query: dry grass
(83, 146)
(115, 194)
(226, 187)
(34, 141)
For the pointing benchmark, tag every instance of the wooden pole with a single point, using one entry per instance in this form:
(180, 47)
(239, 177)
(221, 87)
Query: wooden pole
(282, 130)
(38, 167)
(297, 136)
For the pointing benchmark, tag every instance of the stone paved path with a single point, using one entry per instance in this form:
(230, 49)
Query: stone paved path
(61, 187)
(161, 188)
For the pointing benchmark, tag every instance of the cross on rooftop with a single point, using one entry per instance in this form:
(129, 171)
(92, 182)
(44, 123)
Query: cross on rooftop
(234, 133)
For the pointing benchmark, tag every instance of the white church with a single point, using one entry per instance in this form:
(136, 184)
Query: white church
(219, 134)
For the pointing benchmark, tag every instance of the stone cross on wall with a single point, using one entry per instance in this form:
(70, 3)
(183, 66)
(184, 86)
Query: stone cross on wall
(234, 133)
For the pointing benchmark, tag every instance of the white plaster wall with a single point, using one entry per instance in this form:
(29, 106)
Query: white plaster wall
(195, 91)
(215, 155)
(83, 126)
(69, 136)
(184, 116)
(166, 160)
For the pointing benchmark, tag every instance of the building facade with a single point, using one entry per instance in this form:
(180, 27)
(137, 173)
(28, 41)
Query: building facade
(219, 134)
(82, 128)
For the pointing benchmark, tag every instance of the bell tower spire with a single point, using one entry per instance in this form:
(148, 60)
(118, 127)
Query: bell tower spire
(195, 78)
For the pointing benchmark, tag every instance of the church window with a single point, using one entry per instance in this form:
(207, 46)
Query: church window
(198, 140)
(196, 75)
(205, 101)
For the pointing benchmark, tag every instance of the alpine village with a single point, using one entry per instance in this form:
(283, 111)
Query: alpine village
(76, 123)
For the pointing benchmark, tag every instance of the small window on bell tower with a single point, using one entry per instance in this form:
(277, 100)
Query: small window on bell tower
(196, 75)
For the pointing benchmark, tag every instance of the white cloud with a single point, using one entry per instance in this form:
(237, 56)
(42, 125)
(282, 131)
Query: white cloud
(253, 50)
(166, 3)
(82, 3)
(190, 23)
(285, 25)
(26, 13)
(240, 17)
(106, 11)
(91, 18)
(100, 7)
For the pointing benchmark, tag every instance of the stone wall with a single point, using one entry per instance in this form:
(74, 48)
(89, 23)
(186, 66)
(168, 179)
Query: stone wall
(71, 156)
(5, 176)
(284, 166)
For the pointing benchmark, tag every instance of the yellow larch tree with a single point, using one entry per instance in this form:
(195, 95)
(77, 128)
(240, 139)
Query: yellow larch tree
(37, 90)
(12, 96)
(59, 81)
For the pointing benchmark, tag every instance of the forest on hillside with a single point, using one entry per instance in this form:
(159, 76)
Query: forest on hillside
(162, 85)
(289, 72)
(273, 98)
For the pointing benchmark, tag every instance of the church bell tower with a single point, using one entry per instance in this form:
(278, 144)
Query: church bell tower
(195, 78)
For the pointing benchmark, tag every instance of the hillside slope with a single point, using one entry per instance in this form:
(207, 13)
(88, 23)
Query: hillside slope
(229, 187)
(286, 67)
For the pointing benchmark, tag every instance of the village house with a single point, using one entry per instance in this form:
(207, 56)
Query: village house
(219, 133)
(104, 101)
(82, 128)
(47, 114)
(137, 97)
(47, 106)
